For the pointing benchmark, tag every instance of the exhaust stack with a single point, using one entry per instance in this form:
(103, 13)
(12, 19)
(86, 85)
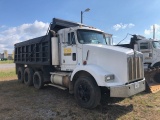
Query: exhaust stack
(153, 32)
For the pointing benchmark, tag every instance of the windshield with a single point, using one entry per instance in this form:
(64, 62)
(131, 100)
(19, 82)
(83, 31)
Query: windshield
(91, 37)
(156, 44)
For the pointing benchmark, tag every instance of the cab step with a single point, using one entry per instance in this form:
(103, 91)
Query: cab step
(58, 86)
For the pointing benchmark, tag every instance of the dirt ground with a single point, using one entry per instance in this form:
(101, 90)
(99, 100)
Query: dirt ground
(19, 102)
(7, 66)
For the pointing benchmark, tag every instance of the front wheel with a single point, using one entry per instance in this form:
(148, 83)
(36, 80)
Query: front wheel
(87, 93)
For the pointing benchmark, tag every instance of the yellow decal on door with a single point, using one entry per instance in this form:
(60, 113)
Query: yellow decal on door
(67, 51)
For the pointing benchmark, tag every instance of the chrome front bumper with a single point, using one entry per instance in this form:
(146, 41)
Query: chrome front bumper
(128, 90)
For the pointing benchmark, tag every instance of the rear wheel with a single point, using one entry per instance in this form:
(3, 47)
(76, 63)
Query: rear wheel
(156, 75)
(20, 74)
(28, 76)
(38, 80)
(86, 92)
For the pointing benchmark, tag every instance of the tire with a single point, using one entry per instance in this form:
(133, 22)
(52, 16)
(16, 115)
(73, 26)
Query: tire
(28, 77)
(20, 75)
(156, 65)
(87, 93)
(38, 80)
(156, 76)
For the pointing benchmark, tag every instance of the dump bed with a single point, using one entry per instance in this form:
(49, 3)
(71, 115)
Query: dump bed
(38, 50)
(34, 51)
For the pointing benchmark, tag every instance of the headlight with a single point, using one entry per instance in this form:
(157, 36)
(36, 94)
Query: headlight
(109, 77)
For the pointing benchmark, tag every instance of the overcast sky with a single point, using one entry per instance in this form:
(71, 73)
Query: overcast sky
(22, 20)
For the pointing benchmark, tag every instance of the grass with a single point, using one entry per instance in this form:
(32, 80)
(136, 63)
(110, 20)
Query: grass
(21, 102)
(8, 73)
(6, 62)
(145, 106)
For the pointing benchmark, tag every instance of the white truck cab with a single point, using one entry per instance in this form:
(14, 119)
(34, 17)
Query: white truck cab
(151, 59)
(85, 50)
(72, 42)
(149, 47)
(151, 51)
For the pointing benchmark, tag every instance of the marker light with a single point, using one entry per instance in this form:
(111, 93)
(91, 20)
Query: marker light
(109, 77)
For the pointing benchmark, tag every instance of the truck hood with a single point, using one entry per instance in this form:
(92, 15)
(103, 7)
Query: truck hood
(112, 59)
(109, 47)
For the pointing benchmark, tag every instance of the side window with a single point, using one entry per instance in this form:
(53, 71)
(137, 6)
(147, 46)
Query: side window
(71, 38)
(144, 46)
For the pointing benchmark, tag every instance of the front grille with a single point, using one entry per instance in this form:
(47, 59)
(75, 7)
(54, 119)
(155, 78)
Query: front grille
(135, 68)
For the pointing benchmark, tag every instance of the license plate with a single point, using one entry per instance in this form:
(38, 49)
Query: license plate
(136, 85)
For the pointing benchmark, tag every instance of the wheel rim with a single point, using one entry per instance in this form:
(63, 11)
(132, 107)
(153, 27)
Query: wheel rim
(36, 80)
(83, 93)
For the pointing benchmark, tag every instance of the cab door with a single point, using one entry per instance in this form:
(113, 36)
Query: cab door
(68, 51)
(146, 49)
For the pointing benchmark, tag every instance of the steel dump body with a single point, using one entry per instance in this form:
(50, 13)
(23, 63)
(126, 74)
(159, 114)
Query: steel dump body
(34, 51)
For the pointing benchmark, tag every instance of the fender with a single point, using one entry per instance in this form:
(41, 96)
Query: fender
(155, 62)
(97, 72)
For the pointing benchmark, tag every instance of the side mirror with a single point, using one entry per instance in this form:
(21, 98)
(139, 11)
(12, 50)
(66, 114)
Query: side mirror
(81, 41)
(110, 41)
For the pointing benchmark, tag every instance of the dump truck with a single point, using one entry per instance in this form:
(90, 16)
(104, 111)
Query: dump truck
(77, 58)
(151, 52)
